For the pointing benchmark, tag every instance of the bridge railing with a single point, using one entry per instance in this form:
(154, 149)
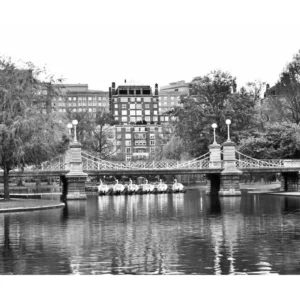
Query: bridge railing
(93, 163)
(244, 161)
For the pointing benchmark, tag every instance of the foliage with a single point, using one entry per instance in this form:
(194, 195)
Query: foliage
(173, 149)
(284, 103)
(279, 140)
(95, 134)
(214, 99)
(28, 134)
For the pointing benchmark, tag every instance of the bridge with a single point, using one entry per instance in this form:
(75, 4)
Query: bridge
(222, 166)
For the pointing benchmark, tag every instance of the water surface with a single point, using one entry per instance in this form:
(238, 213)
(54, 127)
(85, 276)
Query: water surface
(156, 234)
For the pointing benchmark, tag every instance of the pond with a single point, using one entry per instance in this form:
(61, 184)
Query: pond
(156, 234)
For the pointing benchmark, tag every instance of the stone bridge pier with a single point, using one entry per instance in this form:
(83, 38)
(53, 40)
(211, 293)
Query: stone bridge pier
(74, 181)
(290, 181)
(226, 183)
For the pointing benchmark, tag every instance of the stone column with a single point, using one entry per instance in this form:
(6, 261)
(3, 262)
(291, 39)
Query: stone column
(214, 163)
(230, 176)
(76, 178)
(215, 156)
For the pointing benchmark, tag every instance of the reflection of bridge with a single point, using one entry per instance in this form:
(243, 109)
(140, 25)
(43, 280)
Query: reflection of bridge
(222, 169)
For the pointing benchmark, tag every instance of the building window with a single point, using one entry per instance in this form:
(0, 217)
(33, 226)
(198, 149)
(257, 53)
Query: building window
(152, 149)
(147, 100)
(99, 98)
(138, 99)
(128, 136)
(74, 109)
(152, 136)
(124, 112)
(116, 105)
(152, 143)
(140, 135)
(128, 129)
(167, 118)
(138, 106)
(138, 112)
(132, 112)
(154, 119)
(124, 119)
(119, 129)
(152, 129)
(140, 143)
(128, 158)
(116, 112)
(116, 118)
(119, 136)
(139, 119)
(132, 106)
(119, 143)
(104, 98)
(155, 105)
(147, 112)
(128, 143)
(124, 106)
(123, 99)
(132, 119)
(128, 150)
(147, 119)
(172, 98)
(155, 112)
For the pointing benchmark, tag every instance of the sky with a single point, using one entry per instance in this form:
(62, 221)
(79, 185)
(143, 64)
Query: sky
(100, 42)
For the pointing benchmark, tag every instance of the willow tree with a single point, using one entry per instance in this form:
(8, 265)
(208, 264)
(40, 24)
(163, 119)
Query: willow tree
(29, 132)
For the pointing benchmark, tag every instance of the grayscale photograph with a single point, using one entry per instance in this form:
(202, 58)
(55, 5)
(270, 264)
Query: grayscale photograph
(149, 138)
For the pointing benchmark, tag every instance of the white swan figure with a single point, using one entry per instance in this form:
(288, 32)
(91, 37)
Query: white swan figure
(103, 188)
(177, 187)
(147, 187)
(132, 187)
(161, 187)
(118, 187)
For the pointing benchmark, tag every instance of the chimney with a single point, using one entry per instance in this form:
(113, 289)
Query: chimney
(156, 89)
(113, 86)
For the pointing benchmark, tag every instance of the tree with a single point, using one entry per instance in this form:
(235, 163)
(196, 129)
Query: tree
(284, 98)
(101, 138)
(28, 134)
(214, 99)
(279, 140)
(95, 134)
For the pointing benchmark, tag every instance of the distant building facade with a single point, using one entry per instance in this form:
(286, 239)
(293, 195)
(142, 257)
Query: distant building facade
(136, 109)
(170, 96)
(79, 98)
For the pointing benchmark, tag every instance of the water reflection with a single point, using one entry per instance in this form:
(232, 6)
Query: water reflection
(156, 234)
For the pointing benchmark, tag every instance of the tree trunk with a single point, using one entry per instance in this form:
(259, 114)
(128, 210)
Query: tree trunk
(6, 183)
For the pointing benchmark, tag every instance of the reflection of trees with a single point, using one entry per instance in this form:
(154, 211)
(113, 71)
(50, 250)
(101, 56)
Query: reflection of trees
(25, 250)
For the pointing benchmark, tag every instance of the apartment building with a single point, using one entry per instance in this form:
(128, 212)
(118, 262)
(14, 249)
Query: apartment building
(79, 98)
(136, 109)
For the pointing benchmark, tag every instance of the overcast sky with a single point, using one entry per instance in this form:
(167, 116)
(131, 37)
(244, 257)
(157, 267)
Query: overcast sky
(97, 42)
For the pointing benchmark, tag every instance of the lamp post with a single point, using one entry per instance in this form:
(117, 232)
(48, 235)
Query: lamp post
(228, 122)
(214, 126)
(75, 122)
(70, 128)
